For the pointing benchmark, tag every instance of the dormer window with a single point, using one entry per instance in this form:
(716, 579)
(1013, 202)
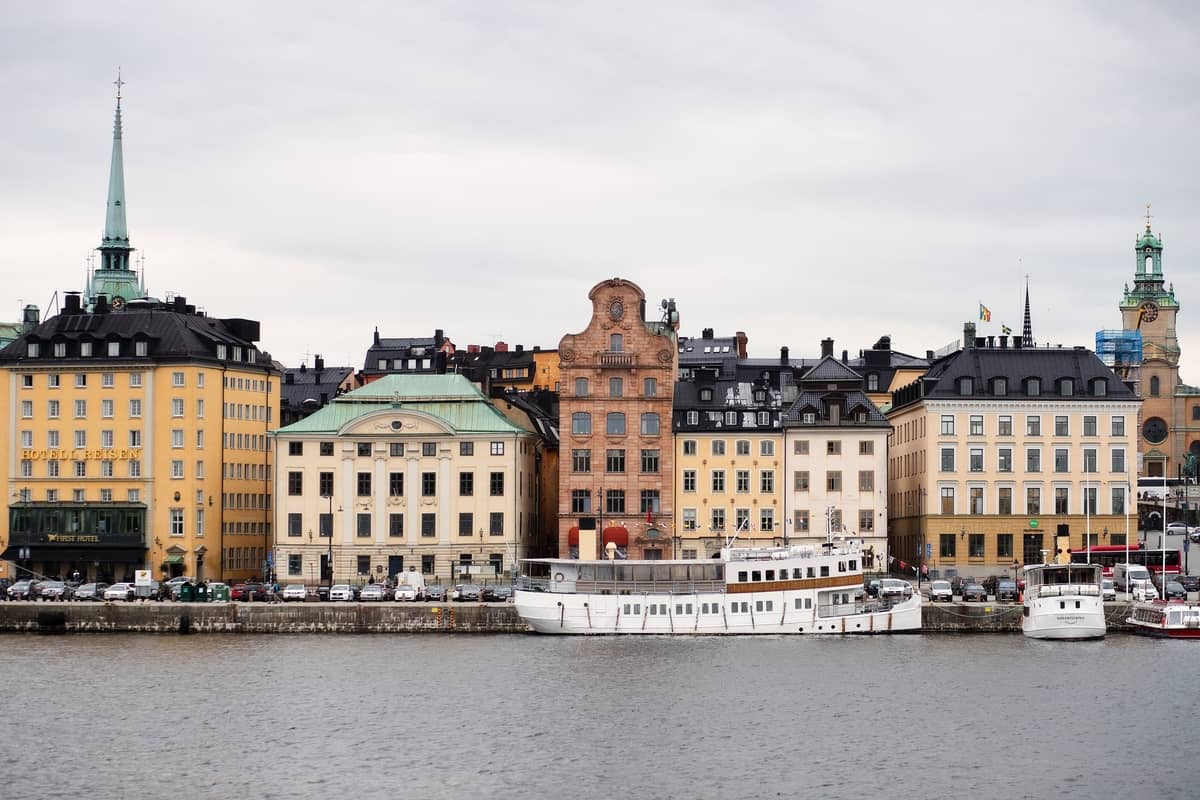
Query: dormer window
(1099, 387)
(760, 396)
(873, 382)
(693, 418)
(809, 417)
(222, 352)
(1066, 387)
(141, 348)
(32, 349)
(706, 395)
(60, 349)
(966, 386)
(85, 349)
(383, 363)
(237, 353)
(1033, 387)
(731, 418)
(999, 387)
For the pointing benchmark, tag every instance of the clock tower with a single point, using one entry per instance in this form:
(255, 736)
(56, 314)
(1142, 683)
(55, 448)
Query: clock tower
(1150, 309)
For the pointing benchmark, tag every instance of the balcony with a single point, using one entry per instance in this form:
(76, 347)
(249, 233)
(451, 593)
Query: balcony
(611, 359)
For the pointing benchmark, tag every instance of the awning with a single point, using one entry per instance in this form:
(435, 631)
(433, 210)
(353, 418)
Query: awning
(573, 537)
(109, 555)
(173, 560)
(616, 534)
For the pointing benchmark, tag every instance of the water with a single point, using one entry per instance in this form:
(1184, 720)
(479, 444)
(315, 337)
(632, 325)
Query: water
(428, 716)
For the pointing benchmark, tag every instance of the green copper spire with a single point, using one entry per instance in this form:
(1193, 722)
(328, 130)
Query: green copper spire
(114, 278)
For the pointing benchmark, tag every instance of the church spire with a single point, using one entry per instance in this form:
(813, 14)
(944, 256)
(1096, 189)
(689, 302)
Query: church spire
(1027, 330)
(115, 278)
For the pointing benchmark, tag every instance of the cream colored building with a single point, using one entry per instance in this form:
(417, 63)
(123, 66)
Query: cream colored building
(408, 473)
(1001, 453)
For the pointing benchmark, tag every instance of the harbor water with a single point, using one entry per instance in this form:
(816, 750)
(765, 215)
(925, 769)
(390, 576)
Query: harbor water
(420, 716)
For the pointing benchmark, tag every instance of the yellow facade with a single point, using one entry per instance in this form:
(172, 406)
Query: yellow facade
(726, 483)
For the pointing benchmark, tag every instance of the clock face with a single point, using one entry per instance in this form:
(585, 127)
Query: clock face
(1155, 430)
(616, 310)
(1149, 311)
(118, 303)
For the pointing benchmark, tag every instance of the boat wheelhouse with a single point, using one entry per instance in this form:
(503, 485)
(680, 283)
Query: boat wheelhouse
(1168, 619)
(759, 590)
(1063, 601)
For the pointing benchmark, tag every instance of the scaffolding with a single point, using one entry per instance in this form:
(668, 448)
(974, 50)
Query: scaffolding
(1121, 350)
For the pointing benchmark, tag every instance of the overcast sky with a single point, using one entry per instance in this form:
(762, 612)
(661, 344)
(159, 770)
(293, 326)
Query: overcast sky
(793, 170)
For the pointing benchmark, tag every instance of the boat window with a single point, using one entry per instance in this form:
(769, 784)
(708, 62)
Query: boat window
(637, 608)
(1077, 604)
(689, 609)
(679, 572)
(662, 609)
(1062, 604)
(661, 572)
(587, 572)
(755, 575)
(626, 608)
(624, 572)
(604, 572)
(745, 608)
(653, 610)
(733, 608)
(770, 605)
(741, 576)
(824, 570)
(758, 605)
(811, 573)
(679, 608)
(720, 574)
(841, 566)
(808, 602)
(770, 574)
(797, 602)
(836, 600)
(704, 608)
(853, 564)
(641, 572)
(797, 573)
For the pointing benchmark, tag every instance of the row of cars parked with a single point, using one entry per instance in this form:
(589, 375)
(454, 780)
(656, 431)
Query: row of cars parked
(348, 593)
(971, 589)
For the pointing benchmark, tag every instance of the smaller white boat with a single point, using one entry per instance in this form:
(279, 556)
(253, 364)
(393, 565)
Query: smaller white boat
(1168, 619)
(1063, 601)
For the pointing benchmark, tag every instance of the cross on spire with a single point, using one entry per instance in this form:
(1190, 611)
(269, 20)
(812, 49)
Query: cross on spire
(1147, 217)
(119, 83)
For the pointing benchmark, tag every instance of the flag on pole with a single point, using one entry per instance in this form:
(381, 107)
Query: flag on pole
(1004, 329)
(985, 313)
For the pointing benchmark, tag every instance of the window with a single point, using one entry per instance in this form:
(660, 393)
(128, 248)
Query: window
(833, 481)
(718, 480)
(135, 438)
(649, 503)
(706, 395)
(1061, 459)
(976, 499)
(80, 439)
(1089, 460)
(689, 519)
(428, 484)
(1118, 422)
(1118, 499)
(650, 387)
(718, 447)
(614, 501)
(1004, 425)
(1062, 426)
(581, 501)
(616, 387)
(325, 484)
(27, 381)
(1033, 460)
(1004, 500)
(466, 523)
(866, 447)
(80, 409)
(742, 480)
(295, 524)
(364, 448)
(1033, 387)
(966, 386)
(946, 545)
(650, 461)
(1062, 500)
(429, 448)
(974, 545)
(866, 520)
(801, 520)
(581, 423)
(363, 484)
(581, 460)
(689, 480)
(766, 519)
(177, 468)
(1033, 426)
(1067, 387)
(27, 409)
(947, 500)
(52, 439)
(177, 379)
(200, 439)
(999, 387)
(766, 481)
(614, 460)
(833, 447)
(1033, 500)
(1089, 499)
(53, 409)
(616, 343)
(976, 456)
(947, 459)
(742, 447)
(32, 349)
(135, 468)
(497, 448)
(581, 387)
(1004, 462)
(800, 447)
(693, 418)
(496, 484)
(1089, 426)
(176, 406)
(866, 480)
(649, 424)
(1153, 385)
(976, 425)
(177, 522)
(362, 526)
(800, 480)
(1004, 545)
(295, 483)
(717, 519)
(428, 525)
(1118, 459)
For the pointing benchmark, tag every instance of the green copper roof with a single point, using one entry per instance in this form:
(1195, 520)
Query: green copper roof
(450, 398)
(116, 232)
(1148, 239)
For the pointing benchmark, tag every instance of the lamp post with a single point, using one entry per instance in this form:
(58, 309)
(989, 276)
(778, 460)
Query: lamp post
(329, 557)
(599, 517)
(921, 526)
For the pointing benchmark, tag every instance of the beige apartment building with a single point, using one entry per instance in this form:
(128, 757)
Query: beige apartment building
(1002, 455)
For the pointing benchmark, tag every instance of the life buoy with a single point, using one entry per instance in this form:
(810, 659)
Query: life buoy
(558, 577)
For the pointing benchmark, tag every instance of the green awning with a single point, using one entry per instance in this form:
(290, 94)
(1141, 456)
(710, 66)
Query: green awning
(173, 560)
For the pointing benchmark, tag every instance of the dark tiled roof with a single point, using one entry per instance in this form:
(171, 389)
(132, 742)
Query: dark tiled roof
(310, 384)
(850, 402)
(830, 370)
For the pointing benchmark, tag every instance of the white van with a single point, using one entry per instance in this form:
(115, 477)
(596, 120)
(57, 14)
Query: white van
(1123, 574)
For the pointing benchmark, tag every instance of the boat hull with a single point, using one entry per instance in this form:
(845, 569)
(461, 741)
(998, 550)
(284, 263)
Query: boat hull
(1044, 619)
(771, 613)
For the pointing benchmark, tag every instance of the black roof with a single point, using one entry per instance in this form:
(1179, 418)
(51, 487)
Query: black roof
(301, 384)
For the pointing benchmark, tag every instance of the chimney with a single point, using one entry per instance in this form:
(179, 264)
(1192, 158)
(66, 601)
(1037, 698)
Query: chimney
(376, 340)
(707, 333)
(501, 347)
(101, 306)
(318, 363)
(439, 336)
(845, 356)
(968, 335)
(741, 343)
(180, 304)
(71, 306)
(472, 348)
(826, 347)
(1003, 342)
(991, 342)
(289, 377)
(31, 316)
(537, 348)
(520, 348)
(303, 368)
(783, 355)
(929, 355)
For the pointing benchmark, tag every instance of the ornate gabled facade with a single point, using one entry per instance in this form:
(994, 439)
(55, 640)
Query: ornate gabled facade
(616, 481)
(1170, 424)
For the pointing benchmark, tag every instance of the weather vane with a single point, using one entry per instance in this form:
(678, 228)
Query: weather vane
(118, 83)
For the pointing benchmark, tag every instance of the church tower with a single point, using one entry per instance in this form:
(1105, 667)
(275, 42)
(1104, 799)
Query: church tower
(115, 277)
(1150, 309)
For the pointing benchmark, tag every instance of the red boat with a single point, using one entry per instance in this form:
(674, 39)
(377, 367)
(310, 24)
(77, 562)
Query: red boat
(1172, 620)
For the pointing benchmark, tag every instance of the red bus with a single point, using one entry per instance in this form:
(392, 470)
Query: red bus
(1106, 555)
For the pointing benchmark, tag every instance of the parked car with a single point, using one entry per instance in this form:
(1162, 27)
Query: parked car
(1190, 583)
(1108, 589)
(341, 592)
(435, 592)
(959, 582)
(1180, 529)
(323, 592)
(170, 588)
(250, 591)
(406, 592)
(23, 590)
(466, 592)
(940, 590)
(5, 583)
(1006, 590)
(373, 593)
(90, 591)
(294, 591)
(974, 591)
(54, 590)
(894, 587)
(502, 594)
(120, 591)
(1174, 591)
(990, 583)
(1142, 589)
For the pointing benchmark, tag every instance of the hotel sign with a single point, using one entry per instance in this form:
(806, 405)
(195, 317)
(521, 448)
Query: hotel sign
(65, 454)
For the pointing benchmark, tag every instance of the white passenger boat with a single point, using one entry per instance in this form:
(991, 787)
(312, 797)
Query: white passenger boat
(1169, 619)
(1063, 601)
(747, 590)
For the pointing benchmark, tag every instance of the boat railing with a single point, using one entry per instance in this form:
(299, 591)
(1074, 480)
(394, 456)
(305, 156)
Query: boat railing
(1058, 590)
(869, 606)
(618, 586)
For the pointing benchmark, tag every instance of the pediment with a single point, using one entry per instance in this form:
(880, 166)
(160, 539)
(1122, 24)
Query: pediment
(397, 422)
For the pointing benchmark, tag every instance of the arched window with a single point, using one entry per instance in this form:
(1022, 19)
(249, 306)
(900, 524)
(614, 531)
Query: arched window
(1154, 386)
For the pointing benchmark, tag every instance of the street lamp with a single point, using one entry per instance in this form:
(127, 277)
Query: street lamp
(329, 557)
(921, 527)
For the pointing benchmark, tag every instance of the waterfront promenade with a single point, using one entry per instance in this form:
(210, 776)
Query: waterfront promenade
(294, 618)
